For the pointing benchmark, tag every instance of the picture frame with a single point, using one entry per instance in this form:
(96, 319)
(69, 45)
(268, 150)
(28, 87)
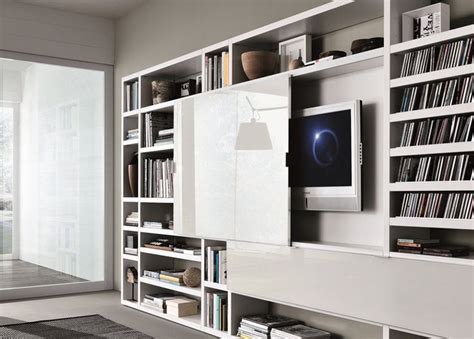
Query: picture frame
(432, 19)
(289, 50)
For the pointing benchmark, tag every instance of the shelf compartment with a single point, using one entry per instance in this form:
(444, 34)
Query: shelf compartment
(459, 260)
(215, 286)
(458, 224)
(130, 257)
(443, 74)
(161, 148)
(348, 64)
(432, 113)
(157, 200)
(339, 247)
(451, 35)
(193, 291)
(424, 186)
(171, 254)
(193, 321)
(457, 147)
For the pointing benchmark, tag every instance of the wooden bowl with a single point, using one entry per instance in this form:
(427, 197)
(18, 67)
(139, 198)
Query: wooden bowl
(258, 64)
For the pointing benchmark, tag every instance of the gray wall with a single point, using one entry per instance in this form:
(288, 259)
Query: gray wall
(160, 30)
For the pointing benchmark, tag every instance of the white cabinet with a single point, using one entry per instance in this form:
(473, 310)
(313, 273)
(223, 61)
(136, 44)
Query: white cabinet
(228, 193)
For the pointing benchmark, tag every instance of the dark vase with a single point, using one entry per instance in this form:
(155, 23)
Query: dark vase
(133, 175)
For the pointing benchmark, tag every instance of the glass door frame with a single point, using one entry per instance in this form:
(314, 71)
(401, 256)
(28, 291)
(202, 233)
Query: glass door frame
(107, 282)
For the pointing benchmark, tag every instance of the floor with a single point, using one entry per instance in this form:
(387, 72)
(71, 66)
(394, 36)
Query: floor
(18, 273)
(106, 304)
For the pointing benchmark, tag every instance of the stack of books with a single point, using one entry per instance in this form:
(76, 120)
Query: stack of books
(149, 273)
(437, 205)
(447, 251)
(217, 311)
(160, 244)
(155, 122)
(438, 131)
(437, 94)
(182, 307)
(174, 277)
(159, 174)
(260, 326)
(132, 134)
(165, 137)
(415, 246)
(158, 301)
(131, 245)
(299, 331)
(185, 249)
(217, 71)
(157, 225)
(436, 168)
(453, 54)
(132, 219)
(131, 96)
(216, 264)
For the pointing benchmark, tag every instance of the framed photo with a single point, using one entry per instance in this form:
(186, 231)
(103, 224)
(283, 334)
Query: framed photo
(425, 21)
(289, 50)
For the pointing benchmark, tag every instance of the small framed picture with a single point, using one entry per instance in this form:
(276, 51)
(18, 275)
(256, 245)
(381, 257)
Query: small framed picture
(425, 21)
(187, 88)
(289, 50)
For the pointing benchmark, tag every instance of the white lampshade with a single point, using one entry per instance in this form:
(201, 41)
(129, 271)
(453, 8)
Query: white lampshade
(253, 136)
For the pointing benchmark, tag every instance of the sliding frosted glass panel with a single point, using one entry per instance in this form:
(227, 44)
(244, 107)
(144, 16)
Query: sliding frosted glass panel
(58, 229)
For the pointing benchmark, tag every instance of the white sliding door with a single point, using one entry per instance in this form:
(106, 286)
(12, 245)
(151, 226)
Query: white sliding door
(59, 224)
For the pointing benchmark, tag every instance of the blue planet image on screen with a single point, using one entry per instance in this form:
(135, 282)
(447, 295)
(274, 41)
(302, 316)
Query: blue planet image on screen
(325, 147)
(321, 150)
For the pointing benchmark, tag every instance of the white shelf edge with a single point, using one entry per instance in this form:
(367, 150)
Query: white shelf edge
(130, 199)
(161, 148)
(457, 224)
(469, 261)
(215, 286)
(130, 142)
(457, 147)
(464, 185)
(432, 112)
(133, 113)
(130, 257)
(171, 254)
(150, 230)
(193, 321)
(196, 291)
(172, 62)
(161, 107)
(132, 304)
(340, 247)
(130, 228)
(432, 76)
(157, 200)
(452, 34)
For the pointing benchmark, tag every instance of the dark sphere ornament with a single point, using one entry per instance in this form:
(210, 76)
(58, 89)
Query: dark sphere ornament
(192, 277)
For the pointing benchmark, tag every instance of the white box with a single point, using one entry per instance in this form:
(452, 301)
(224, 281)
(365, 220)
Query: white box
(443, 23)
(289, 50)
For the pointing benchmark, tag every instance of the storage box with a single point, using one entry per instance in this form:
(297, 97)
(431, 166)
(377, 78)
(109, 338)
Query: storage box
(441, 22)
(182, 307)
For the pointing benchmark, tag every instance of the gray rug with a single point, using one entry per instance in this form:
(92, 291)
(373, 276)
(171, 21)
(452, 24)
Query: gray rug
(92, 326)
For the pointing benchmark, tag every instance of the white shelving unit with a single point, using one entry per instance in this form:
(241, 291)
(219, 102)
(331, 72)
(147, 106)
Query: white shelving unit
(449, 231)
(317, 22)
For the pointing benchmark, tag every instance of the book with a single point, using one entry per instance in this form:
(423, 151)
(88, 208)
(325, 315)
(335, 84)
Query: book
(299, 331)
(266, 322)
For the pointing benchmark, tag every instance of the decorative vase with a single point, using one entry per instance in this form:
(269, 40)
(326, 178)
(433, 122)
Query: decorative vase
(257, 64)
(297, 63)
(133, 175)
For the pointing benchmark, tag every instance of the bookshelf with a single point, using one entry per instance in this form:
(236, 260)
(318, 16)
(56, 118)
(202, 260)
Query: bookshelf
(450, 231)
(319, 21)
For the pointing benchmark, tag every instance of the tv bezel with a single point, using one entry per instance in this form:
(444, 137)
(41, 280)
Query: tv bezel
(334, 198)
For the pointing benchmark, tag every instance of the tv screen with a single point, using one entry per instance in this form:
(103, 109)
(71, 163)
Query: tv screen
(320, 150)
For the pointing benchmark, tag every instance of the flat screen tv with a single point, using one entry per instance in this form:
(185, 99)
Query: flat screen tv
(325, 158)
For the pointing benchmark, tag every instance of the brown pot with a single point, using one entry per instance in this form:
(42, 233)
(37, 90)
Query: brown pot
(258, 64)
(133, 179)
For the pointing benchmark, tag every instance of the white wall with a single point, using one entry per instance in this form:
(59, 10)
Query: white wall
(50, 32)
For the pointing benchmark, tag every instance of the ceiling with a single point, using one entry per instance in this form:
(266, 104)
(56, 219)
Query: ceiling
(110, 9)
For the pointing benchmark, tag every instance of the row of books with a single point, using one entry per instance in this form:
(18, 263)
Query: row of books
(165, 137)
(132, 134)
(431, 247)
(154, 123)
(266, 326)
(437, 94)
(171, 304)
(437, 205)
(131, 96)
(457, 53)
(217, 307)
(217, 71)
(438, 131)
(132, 219)
(159, 174)
(216, 264)
(436, 168)
(171, 276)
